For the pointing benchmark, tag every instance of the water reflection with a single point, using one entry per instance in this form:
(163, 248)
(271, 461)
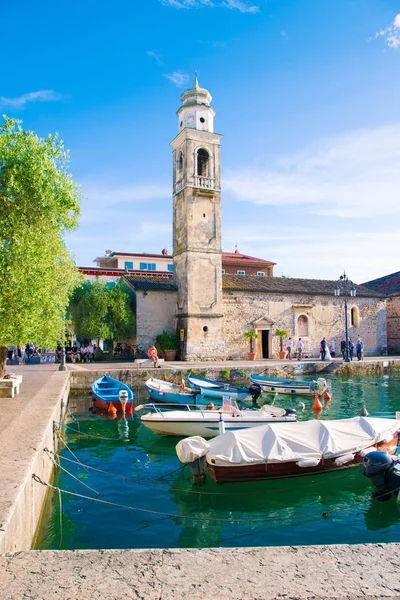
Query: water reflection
(143, 472)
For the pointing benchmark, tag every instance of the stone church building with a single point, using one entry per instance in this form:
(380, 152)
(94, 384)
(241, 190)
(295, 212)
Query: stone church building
(212, 309)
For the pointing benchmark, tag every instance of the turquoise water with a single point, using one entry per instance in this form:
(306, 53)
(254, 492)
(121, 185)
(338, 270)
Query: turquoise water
(142, 473)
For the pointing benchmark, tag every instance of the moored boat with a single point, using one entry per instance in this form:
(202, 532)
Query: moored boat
(207, 422)
(108, 391)
(289, 450)
(217, 389)
(165, 391)
(295, 387)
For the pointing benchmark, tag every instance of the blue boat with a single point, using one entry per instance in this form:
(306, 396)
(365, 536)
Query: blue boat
(216, 389)
(164, 391)
(106, 391)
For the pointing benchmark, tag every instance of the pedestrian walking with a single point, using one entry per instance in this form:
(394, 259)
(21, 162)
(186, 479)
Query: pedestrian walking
(289, 346)
(343, 348)
(351, 350)
(300, 348)
(323, 348)
(360, 349)
(152, 353)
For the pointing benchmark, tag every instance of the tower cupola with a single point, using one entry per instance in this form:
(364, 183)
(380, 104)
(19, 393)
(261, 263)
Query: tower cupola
(196, 112)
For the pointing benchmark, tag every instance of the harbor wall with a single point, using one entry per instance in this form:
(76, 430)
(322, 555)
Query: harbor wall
(81, 381)
(27, 428)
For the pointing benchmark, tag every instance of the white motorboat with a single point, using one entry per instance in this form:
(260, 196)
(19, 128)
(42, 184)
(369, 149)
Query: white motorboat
(208, 422)
(281, 450)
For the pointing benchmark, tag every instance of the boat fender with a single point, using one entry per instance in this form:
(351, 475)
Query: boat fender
(111, 408)
(343, 460)
(317, 403)
(307, 462)
(301, 405)
(291, 411)
(363, 411)
(327, 395)
(139, 407)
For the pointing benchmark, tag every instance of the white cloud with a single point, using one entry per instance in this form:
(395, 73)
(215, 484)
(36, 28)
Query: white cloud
(319, 253)
(107, 197)
(354, 175)
(179, 78)
(284, 35)
(391, 33)
(243, 6)
(21, 101)
(157, 57)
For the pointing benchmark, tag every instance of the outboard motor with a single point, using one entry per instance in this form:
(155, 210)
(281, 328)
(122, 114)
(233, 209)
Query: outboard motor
(255, 392)
(384, 472)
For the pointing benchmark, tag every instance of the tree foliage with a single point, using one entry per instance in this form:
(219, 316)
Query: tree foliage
(98, 311)
(38, 202)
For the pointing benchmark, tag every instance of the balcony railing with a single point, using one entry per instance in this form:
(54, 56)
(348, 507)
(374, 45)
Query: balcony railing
(204, 182)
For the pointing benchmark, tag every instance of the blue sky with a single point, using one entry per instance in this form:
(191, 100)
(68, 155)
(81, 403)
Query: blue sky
(307, 96)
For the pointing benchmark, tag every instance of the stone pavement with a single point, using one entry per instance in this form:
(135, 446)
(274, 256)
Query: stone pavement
(315, 572)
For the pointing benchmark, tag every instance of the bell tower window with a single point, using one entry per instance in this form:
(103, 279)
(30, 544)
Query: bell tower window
(203, 163)
(179, 167)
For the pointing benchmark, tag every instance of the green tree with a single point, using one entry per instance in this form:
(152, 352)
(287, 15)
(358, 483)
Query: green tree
(98, 311)
(38, 202)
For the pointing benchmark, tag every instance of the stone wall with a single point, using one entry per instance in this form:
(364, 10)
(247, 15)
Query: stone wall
(325, 317)
(393, 325)
(155, 311)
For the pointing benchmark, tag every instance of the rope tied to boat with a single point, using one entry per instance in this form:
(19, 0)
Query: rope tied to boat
(96, 437)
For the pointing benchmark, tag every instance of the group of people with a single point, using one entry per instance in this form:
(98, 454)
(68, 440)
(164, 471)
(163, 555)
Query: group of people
(299, 348)
(84, 353)
(327, 351)
(359, 348)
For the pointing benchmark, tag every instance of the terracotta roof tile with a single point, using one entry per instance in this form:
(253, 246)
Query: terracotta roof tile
(287, 285)
(144, 283)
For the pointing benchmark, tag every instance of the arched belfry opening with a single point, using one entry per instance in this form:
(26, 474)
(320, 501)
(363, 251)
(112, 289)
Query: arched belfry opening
(203, 163)
(179, 166)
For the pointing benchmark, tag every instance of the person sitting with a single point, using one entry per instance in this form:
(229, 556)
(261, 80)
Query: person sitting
(152, 353)
(84, 353)
(75, 353)
(90, 352)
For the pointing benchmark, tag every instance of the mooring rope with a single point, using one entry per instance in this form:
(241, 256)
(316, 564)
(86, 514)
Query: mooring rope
(61, 530)
(151, 483)
(323, 514)
(97, 437)
(58, 466)
(73, 454)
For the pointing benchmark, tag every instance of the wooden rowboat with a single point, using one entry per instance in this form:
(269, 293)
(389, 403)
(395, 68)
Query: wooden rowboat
(106, 391)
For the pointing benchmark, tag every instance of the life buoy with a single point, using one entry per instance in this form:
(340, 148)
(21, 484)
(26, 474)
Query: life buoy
(151, 352)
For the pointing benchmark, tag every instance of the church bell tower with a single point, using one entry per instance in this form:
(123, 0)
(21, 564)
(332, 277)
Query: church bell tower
(197, 227)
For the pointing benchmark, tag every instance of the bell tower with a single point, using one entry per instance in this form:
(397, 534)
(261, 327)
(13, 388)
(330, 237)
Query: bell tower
(197, 227)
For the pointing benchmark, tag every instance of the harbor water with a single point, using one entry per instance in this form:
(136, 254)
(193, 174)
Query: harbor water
(134, 492)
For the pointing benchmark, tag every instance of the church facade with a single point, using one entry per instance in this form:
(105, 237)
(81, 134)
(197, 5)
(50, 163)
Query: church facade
(212, 309)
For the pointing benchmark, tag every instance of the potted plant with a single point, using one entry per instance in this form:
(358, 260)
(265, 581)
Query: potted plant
(251, 335)
(168, 344)
(281, 333)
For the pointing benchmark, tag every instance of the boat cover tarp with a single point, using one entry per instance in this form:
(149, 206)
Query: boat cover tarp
(287, 442)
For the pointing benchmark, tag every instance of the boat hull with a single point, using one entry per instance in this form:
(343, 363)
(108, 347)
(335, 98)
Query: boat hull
(170, 397)
(262, 471)
(206, 428)
(216, 390)
(106, 390)
(289, 387)
(104, 405)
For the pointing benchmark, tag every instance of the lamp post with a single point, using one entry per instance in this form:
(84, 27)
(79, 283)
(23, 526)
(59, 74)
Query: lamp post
(345, 287)
(63, 366)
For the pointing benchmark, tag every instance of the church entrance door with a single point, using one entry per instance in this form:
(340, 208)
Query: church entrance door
(264, 343)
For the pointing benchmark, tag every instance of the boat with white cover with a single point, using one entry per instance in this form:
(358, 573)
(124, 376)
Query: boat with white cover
(288, 450)
(206, 422)
(295, 387)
